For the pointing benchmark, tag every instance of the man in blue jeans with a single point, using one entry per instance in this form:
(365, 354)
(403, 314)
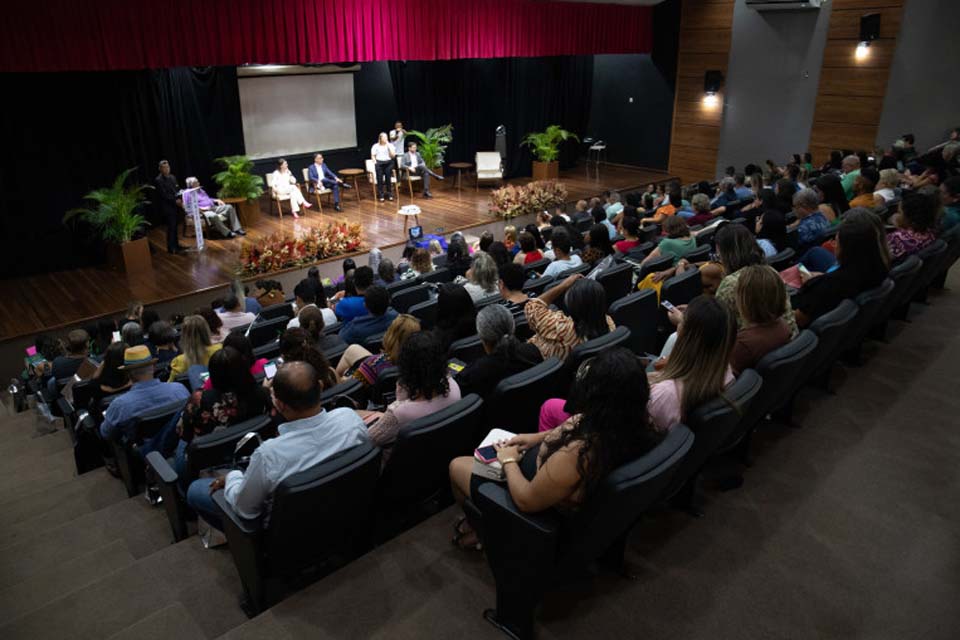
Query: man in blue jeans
(309, 436)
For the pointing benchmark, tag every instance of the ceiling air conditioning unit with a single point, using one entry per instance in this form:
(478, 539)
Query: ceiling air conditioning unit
(784, 5)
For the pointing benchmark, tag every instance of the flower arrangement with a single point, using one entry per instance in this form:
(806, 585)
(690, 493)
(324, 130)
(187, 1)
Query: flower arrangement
(283, 251)
(512, 201)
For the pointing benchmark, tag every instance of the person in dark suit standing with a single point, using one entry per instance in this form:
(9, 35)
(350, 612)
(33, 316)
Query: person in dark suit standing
(167, 194)
(413, 162)
(320, 173)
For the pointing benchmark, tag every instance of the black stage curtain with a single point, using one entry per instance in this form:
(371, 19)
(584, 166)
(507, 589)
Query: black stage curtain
(73, 132)
(523, 94)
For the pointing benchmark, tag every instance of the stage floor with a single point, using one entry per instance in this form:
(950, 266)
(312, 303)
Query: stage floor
(54, 300)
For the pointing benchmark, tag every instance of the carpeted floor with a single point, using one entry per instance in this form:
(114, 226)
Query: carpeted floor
(847, 527)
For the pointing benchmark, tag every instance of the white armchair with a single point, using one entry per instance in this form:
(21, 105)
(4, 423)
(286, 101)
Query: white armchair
(372, 178)
(489, 166)
(277, 197)
(316, 188)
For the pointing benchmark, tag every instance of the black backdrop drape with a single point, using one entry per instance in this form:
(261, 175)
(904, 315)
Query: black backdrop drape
(68, 133)
(524, 94)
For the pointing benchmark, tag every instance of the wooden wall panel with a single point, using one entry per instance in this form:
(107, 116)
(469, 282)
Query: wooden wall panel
(705, 33)
(851, 91)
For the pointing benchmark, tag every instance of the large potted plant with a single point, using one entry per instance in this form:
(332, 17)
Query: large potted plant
(545, 146)
(432, 144)
(239, 187)
(114, 214)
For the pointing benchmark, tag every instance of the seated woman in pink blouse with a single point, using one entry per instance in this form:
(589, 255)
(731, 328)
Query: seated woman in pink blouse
(916, 223)
(423, 387)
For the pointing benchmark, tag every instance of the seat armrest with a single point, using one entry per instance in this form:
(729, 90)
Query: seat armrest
(496, 505)
(161, 468)
(245, 526)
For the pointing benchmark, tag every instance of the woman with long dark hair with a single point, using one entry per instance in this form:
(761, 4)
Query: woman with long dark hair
(771, 227)
(833, 202)
(598, 245)
(556, 332)
(456, 315)
(563, 468)
(298, 345)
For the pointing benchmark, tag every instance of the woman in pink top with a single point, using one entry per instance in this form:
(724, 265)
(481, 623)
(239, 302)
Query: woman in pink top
(242, 344)
(698, 368)
(423, 387)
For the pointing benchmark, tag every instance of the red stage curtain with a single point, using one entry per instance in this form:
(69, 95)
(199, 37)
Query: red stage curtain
(98, 35)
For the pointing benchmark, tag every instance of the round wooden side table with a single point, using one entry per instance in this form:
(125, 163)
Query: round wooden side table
(351, 175)
(460, 167)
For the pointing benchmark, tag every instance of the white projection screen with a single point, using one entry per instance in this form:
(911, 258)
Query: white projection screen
(287, 115)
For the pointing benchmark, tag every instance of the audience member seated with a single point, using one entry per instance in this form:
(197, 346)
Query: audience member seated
(556, 332)
(377, 301)
(510, 239)
(613, 206)
(863, 187)
(195, 345)
(498, 251)
(359, 363)
(296, 345)
(217, 213)
(737, 249)
(863, 264)
(214, 323)
(674, 201)
(67, 365)
(110, 374)
(771, 232)
(421, 263)
(147, 395)
(833, 202)
(528, 249)
(458, 256)
(511, 288)
(231, 397)
(505, 355)
(581, 211)
(537, 238)
(761, 297)
(456, 315)
(481, 278)
(163, 341)
(269, 292)
(564, 467)
(307, 294)
(131, 334)
(698, 368)
(811, 224)
(950, 196)
(599, 248)
(563, 260)
(850, 168)
(241, 343)
(678, 243)
(600, 217)
(424, 386)
(915, 225)
(887, 184)
(349, 304)
(386, 273)
(147, 318)
(630, 228)
(233, 314)
(308, 436)
(312, 320)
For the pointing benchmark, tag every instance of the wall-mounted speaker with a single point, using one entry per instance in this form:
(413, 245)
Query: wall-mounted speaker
(869, 27)
(712, 81)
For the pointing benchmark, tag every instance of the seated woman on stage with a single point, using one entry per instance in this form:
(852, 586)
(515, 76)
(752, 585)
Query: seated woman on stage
(284, 184)
(562, 468)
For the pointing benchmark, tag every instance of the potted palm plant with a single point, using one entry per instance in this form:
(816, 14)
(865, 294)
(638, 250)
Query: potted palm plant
(545, 146)
(432, 144)
(239, 187)
(114, 214)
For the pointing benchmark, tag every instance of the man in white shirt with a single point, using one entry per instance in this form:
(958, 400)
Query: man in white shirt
(413, 162)
(309, 436)
(561, 249)
(306, 295)
(397, 137)
(383, 155)
(233, 315)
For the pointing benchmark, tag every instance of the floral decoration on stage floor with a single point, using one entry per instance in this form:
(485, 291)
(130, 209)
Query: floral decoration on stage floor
(512, 201)
(284, 250)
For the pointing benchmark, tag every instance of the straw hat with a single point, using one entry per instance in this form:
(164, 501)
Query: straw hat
(136, 357)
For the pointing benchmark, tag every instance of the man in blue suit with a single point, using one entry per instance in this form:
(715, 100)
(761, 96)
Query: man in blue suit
(320, 173)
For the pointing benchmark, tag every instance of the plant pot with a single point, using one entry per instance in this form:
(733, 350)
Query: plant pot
(247, 210)
(132, 257)
(546, 170)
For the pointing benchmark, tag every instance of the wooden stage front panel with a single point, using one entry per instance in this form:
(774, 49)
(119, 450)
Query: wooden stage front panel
(50, 301)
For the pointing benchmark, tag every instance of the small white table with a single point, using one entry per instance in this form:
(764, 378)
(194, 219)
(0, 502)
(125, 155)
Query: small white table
(410, 210)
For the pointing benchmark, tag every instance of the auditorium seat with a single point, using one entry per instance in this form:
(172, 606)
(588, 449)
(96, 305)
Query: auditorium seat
(530, 553)
(655, 265)
(904, 274)
(536, 286)
(649, 233)
(617, 281)
(426, 312)
(147, 431)
(467, 349)
(782, 259)
(404, 299)
(639, 252)
(515, 405)
(620, 336)
(350, 388)
(583, 269)
(334, 354)
(933, 256)
(438, 275)
(266, 331)
(538, 266)
(678, 290)
(487, 300)
(700, 254)
(204, 452)
(716, 425)
(385, 390)
(320, 519)
(399, 285)
(416, 473)
(374, 343)
(270, 351)
(640, 313)
(705, 237)
(871, 303)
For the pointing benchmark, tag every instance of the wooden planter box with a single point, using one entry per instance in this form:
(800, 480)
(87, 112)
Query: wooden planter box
(546, 170)
(132, 257)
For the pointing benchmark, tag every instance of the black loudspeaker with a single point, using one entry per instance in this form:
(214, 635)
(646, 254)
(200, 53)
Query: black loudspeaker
(712, 80)
(869, 27)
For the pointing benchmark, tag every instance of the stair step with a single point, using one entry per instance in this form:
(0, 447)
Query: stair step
(52, 583)
(55, 469)
(173, 621)
(264, 625)
(35, 445)
(70, 499)
(203, 582)
(142, 528)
